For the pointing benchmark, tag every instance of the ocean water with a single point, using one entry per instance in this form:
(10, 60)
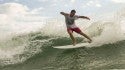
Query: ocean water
(26, 44)
(33, 51)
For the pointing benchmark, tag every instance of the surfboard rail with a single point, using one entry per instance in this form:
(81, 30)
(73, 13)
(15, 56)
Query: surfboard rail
(71, 46)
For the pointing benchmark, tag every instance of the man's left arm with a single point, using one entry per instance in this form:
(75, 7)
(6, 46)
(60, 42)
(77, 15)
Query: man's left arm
(84, 17)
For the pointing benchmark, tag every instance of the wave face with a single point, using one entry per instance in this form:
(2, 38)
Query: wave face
(38, 54)
(26, 50)
(34, 51)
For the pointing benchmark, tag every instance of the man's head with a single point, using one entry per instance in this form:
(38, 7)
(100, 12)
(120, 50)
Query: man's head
(72, 13)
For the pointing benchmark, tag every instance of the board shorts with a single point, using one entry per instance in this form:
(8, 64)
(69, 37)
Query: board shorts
(77, 30)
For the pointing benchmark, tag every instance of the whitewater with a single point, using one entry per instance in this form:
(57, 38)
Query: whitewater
(26, 42)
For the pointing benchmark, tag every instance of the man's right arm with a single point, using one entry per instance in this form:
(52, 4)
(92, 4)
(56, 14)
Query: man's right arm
(63, 13)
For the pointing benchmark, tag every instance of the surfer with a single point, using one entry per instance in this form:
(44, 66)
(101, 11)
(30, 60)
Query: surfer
(70, 23)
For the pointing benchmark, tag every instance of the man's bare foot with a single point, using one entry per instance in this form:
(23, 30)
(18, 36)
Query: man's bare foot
(90, 41)
(74, 43)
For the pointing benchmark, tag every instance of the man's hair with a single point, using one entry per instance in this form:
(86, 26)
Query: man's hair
(73, 11)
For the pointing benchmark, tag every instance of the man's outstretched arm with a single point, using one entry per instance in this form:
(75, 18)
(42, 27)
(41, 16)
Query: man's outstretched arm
(84, 17)
(63, 13)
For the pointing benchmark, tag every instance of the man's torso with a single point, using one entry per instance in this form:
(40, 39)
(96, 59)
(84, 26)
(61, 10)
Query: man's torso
(70, 21)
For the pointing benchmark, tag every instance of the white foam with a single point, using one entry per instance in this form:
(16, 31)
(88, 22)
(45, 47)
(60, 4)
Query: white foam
(111, 33)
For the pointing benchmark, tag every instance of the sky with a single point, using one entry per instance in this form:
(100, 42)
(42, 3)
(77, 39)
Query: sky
(51, 8)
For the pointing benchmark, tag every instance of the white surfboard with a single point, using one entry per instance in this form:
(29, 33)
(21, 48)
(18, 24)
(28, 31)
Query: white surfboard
(71, 46)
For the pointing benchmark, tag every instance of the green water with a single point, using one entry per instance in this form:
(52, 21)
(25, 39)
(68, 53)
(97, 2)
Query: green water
(105, 57)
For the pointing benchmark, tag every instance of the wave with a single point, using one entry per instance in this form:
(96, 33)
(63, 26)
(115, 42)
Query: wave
(20, 48)
(108, 44)
(102, 57)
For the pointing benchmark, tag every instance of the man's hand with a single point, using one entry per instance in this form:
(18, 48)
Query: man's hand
(88, 18)
(63, 13)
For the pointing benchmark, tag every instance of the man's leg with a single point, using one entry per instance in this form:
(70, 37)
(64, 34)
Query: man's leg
(72, 37)
(77, 30)
(83, 34)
